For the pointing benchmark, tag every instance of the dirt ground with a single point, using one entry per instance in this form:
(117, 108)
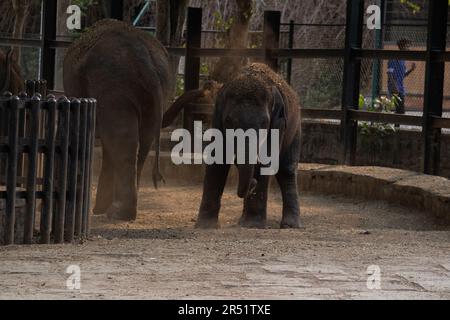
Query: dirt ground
(161, 255)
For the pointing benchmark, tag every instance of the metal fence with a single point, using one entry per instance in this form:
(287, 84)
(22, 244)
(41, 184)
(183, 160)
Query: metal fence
(350, 57)
(57, 136)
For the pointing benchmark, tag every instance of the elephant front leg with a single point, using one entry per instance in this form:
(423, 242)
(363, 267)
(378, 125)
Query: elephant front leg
(255, 205)
(213, 186)
(287, 180)
(291, 208)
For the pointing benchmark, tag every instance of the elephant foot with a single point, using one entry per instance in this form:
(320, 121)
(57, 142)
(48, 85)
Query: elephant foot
(207, 223)
(115, 212)
(98, 212)
(291, 222)
(252, 222)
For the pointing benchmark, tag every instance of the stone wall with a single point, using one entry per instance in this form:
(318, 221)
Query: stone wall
(402, 149)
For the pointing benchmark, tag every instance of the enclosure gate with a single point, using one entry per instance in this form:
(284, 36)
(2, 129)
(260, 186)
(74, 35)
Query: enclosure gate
(61, 134)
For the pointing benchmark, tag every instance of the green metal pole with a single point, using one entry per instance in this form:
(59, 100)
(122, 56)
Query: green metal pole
(376, 71)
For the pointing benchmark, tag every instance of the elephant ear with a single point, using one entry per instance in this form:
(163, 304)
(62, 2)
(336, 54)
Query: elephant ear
(278, 118)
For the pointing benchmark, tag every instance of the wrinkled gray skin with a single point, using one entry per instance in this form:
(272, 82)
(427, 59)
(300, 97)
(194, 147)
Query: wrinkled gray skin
(257, 99)
(129, 74)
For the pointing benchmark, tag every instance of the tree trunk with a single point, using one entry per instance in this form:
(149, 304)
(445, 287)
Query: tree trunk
(21, 8)
(170, 18)
(237, 38)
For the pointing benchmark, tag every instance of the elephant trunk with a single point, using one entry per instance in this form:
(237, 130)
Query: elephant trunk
(247, 183)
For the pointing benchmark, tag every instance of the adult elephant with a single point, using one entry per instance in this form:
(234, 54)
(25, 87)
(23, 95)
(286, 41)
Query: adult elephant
(10, 75)
(129, 73)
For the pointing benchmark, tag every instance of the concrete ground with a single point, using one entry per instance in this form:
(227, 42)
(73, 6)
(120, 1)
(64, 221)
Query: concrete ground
(161, 255)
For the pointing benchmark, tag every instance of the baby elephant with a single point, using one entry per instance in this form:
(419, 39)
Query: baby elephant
(257, 98)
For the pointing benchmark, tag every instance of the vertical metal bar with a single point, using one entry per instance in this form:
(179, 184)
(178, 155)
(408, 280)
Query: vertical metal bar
(193, 40)
(434, 85)
(116, 9)
(81, 167)
(271, 37)
(48, 33)
(291, 46)
(29, 87)
(376, 69)
(49, 165)
(63, 140)
(192, 64)
(87, 166)
(73, 170)
(4, 119)
(22, 131)
(91, 160)
(11, 179)
(351, 78)
(32, 170)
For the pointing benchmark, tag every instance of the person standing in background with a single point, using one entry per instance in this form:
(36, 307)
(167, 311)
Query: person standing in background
(397, 73)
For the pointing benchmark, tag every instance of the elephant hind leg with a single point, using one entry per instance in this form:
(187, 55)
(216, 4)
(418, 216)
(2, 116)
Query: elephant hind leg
(287, 180)
(120, 137)
(105, 189)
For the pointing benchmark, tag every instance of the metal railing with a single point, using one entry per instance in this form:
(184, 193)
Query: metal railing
(352, 54)
(59, 135)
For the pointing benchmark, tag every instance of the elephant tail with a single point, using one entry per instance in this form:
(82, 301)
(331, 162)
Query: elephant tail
(156, 174)
(179, 104)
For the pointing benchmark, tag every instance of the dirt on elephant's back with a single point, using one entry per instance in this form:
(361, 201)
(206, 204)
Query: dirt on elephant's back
(94, 33)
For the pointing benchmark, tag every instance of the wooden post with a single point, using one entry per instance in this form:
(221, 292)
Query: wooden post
(116, 9)
(272, 21)
(351, 79)
(11, 176)
(48, 33)
(434, 85)
(49, 166)
(192, 64)
(35, 105)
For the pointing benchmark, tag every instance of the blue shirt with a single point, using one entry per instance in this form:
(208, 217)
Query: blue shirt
(398, 70)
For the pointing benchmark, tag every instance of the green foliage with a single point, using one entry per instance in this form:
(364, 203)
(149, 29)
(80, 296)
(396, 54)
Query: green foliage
(180, 86)
(374, 134)
(325, 91)
(220, 23)
(411, 5)
(204, 69)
